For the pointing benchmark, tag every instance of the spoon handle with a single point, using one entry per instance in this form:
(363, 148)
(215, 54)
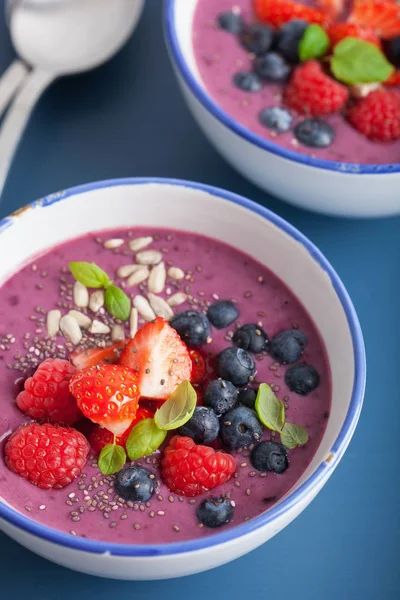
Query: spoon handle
(10, 81)
(17, 117)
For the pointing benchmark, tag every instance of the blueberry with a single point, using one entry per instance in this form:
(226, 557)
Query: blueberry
(257, 38)
(302, 379)
(235, 365)
(220, 395)
(287, 346)
(269, 456)
(247, 81)
(272, 67)
(215, 512)
(135, 483)
(247, 397)
(192, 326)
(240, 427)
(203, 427)
(314, 133)
(276, 118)
(288, 39)
(230, 21)
(250, 337)
(221, 314)
(394, 51)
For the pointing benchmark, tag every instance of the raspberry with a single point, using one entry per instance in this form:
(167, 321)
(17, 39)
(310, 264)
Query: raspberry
(46, 395)
(48, 456)
(377, 116)
(312, 92)
(190, 470)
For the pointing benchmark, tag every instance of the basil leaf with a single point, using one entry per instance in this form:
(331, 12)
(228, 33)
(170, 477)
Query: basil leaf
(117, 303)
(293, 435)
(314, 43)
(178, 409)
(357, 61)
(144, 439)
(111, 460)
(270, 410)
(89, 274)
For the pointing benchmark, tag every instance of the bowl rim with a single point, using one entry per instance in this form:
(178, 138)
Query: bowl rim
(221, 115)
(322, 472)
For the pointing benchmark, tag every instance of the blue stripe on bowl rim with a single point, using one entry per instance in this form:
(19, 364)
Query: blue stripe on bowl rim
(210, 105)
(322, 472)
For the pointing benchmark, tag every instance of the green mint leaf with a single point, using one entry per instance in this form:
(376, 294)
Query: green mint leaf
(178, 409)
(270, 410)
(144, 439)
(89, 274)
(314, 43)
(356, 61)
(111, 460)
(293, 435)
(117, 303)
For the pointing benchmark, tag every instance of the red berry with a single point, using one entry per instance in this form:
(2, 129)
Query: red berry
(312, 92)
(99, 437)
(48, 456)
(82, 359)
(340, 31)
(278, 12)
(46, 395)
(382, 16)
(160, 359)
(199, 368)
(377, 116)
(394, 79)
(190, 470)
(107, 395)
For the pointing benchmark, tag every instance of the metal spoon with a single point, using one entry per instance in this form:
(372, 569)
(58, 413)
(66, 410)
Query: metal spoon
(57, 39)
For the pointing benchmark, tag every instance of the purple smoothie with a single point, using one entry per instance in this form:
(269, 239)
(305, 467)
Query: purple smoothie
(88, 507)
(219, 56)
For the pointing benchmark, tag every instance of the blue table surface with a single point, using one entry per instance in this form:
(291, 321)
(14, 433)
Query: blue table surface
(128, 118)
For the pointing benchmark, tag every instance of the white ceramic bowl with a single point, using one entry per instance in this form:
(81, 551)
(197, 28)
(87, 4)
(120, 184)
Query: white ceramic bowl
(343, 189)
(274, 243)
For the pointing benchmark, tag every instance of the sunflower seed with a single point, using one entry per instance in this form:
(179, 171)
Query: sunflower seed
(143, 307)
(70, 328)
(177, 299)
(113, 243)
(157, 278)
(127, 270)
(81, 295)
(176, 273)
(160, 307)
(133, 322)
(149, 257)
(82, 320)
(53, 322)
(138, 276)
(97, 327)
(117, 333)
(96, 300)
(140, 243)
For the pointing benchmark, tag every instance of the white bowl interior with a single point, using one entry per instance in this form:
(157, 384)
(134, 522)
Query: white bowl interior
(184, 14)
(196, 210)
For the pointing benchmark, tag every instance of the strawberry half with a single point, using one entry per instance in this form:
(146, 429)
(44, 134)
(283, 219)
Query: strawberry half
(340, 31)
(278, 12)
(159, 358)
(82, 359)
(381, 16)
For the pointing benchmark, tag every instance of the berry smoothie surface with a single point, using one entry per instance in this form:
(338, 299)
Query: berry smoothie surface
(89, 506)
(219, 56)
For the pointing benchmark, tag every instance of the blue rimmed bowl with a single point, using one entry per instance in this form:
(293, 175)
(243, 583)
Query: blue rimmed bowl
(274, 243)
(335, 188)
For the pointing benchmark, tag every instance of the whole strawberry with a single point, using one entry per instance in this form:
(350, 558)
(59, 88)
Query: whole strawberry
(107, 395)
(48, 456)
(189, 470)
(313, 92)
(377, 116)
(46, 394)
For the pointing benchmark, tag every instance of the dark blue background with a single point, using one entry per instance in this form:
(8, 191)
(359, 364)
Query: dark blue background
(128, 119)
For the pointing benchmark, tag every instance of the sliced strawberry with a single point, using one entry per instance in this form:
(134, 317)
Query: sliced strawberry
(99, 437)
(91, 357)
(339, 31)
(394, 79)
(159, 357)
(278, 12)
(332, 8)
(382, 16)
(198, 366)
